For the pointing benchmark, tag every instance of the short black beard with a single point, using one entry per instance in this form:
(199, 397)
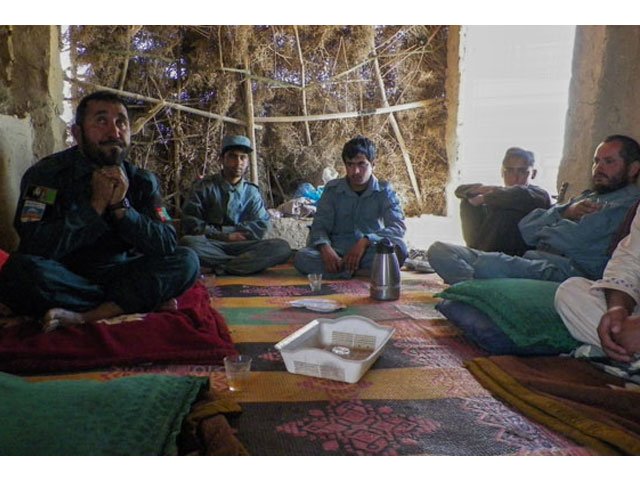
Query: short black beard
(621, 183)
(101, 158)
(93, 153)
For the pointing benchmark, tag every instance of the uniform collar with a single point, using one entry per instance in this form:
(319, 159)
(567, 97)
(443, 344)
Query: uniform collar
(227, 187)
(374, 186)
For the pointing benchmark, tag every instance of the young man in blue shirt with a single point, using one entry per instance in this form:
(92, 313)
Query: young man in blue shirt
(353, 214)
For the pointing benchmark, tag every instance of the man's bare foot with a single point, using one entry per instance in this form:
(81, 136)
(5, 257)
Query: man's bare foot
(206, 270)
(170, 305)
(59, 317)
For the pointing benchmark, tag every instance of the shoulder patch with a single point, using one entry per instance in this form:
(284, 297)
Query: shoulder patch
(163, 215)
(41, 194)
(32, 211)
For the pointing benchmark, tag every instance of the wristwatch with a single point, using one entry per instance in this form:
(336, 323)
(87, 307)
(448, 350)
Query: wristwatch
(124, 203)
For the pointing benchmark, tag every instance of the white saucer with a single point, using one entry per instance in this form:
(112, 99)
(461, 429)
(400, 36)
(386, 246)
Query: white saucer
(318, 305)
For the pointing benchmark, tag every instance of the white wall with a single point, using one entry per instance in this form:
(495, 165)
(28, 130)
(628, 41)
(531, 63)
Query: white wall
(514, 92)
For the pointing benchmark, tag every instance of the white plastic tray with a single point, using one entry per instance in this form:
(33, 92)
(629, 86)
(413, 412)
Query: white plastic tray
(307, 351)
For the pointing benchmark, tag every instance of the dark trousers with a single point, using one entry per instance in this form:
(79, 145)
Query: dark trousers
(238, 258)
(492, 229)
(31, 285)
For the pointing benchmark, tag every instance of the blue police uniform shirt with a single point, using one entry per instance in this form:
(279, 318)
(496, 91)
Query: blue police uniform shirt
(343, 217)
(216, 208)
(586, 241)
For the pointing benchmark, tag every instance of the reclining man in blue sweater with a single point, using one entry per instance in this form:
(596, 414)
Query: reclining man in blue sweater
(568, 240)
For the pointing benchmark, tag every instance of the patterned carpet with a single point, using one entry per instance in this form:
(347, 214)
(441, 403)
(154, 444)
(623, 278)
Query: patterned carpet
(417, 399)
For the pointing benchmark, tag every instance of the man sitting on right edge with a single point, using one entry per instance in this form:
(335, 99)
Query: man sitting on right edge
(569, 240)
(605, 313)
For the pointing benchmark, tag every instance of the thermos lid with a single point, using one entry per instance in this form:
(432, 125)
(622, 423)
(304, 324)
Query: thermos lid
(384, 246)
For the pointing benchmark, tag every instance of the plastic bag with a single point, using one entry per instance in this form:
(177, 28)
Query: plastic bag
(306, 190)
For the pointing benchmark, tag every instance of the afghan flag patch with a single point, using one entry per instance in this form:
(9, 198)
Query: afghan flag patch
(163, 215)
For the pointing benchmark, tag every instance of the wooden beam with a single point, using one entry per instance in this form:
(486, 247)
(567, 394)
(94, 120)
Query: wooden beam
(395, 126)
(343, 115)
(175, 106)
(258, 78)
(248, 94)
(303, 83)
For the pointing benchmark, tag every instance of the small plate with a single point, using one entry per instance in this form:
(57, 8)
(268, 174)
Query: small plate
(318, 305)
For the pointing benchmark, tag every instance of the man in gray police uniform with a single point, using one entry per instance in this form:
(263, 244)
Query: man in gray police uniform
(225, 219)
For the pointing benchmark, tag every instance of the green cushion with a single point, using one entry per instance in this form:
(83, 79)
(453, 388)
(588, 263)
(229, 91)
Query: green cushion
(137, 415)
(523, 309)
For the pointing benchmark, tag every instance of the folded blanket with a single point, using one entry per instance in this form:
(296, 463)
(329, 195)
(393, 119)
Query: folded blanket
(567, 395)
(137, 415)
(195, 333)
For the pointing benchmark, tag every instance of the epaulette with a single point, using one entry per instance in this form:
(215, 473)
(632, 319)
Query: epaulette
(52, 164)
(332, 183)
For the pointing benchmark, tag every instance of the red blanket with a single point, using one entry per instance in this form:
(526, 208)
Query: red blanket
(4, 256)
(195, 333)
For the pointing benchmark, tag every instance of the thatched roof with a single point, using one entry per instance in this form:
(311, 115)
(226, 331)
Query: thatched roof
(301, 71)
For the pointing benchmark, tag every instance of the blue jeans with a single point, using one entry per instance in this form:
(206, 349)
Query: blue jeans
(455, 263)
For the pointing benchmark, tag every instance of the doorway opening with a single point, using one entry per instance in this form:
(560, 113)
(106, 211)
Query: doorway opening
(514, 91)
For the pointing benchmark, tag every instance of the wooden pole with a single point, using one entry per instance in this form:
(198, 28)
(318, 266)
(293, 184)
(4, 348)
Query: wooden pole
(394, 125)
(343, 115)
(269, 187)
(175, 106)
(277, 182)
(177, 126)
(131, 32)
(259, 120)
(176, 170)
(303, 83)
(253, 169)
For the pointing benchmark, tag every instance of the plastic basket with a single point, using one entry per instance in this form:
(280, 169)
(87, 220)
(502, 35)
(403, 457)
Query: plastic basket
(310, 350)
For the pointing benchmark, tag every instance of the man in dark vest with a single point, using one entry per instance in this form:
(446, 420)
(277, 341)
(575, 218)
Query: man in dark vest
(95, 239)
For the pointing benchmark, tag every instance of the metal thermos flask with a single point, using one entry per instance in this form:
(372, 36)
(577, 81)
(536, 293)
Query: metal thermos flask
(385, 272)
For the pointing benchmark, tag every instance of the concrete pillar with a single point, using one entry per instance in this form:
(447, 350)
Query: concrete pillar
(30, 108)
(604, 98)
(452, 87)
(36, 84)
(16, 138)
